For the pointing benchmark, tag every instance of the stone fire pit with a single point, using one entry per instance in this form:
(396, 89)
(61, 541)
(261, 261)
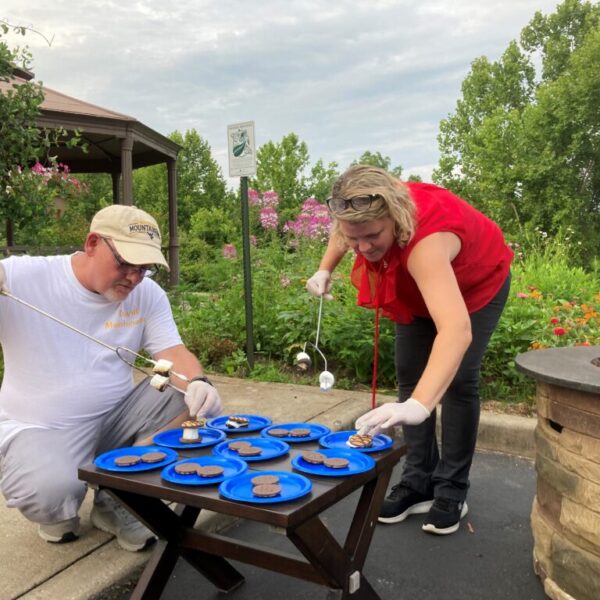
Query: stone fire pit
(565, 517)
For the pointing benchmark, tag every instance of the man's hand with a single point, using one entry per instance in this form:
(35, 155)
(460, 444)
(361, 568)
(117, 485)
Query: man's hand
(411, 412)
(320, 284)
(202, 400)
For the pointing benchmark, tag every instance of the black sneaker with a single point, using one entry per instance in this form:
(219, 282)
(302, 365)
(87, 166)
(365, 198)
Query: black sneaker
(403, 502)
(444, 516)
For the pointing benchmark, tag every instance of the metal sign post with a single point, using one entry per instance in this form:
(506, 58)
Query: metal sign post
(242, 163)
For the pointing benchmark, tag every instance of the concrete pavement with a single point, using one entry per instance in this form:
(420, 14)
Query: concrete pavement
(33, 569)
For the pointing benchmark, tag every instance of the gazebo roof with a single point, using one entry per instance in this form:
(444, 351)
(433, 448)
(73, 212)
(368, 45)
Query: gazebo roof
(116, 144)
(102, 129)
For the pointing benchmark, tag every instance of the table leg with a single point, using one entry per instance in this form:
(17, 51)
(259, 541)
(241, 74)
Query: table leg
(363, 523)
(169, 526)
(343, 567)
(334, 564)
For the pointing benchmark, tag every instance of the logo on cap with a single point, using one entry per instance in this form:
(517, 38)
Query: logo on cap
(147, 228)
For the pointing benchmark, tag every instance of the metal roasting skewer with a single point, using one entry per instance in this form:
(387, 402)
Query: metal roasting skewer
(116, 349)
(303, 360)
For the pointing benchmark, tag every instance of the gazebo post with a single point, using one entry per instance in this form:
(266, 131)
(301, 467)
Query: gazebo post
(116, 190)
(127, 168)
(173, 235)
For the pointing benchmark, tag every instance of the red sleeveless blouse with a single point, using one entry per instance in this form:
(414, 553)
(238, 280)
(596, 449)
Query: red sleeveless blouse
(481, 266)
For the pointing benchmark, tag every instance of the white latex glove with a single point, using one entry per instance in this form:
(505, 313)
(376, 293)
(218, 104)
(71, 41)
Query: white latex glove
(411, 412)
(202, 400)
(320, 284)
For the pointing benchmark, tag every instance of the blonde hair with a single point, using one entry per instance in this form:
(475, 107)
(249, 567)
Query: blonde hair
(393, 201)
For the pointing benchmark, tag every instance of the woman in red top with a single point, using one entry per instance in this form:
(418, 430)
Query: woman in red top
(441, 270)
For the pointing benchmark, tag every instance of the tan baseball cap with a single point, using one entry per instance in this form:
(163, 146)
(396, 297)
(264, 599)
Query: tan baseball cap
(134, 233)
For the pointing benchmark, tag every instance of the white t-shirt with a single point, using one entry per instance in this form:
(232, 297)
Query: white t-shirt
(55, 377)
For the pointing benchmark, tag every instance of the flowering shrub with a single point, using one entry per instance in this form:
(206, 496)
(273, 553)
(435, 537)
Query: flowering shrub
(229, 251)
(32, 192)
(268, 217)
(551, 304)
(574, 323)
(312, 222)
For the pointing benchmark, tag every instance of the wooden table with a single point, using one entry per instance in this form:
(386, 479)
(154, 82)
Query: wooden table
(336, 566)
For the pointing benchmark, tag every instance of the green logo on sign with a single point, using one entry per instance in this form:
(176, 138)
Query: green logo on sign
(241, 143)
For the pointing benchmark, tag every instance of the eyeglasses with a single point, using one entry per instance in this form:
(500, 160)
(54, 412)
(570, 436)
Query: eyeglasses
(127, 268)
(362, 202)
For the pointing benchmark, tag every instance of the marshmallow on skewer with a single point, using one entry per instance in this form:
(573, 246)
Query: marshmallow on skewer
(162, 367)
(159, 382)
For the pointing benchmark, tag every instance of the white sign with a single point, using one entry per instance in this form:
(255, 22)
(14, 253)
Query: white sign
(242, 149)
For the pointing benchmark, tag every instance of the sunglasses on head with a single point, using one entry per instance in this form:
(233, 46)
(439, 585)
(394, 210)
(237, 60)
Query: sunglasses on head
(362, 202)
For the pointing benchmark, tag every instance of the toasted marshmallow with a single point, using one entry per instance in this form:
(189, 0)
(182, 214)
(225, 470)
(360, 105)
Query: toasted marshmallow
(236, 422)
(159, 382)
(162, 367)
(190, 430)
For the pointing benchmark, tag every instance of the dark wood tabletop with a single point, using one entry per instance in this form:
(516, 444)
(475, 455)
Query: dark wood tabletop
(325, 490)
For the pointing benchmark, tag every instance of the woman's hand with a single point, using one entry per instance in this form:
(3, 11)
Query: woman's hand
(411, 412)
(320, 284)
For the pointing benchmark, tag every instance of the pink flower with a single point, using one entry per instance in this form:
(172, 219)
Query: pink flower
(313, 222)
(253, 240)
(229, 251)
(253, 197)
(285, 281)
(554, 320)
(522, 295)
(559, 331)
(268, 217)
(270, 199)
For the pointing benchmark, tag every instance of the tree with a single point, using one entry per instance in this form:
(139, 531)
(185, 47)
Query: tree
(21, 142)
(30, 179)
(280, 168)
(200, 183)
(523, 148)
(376, 159)
(321, 180)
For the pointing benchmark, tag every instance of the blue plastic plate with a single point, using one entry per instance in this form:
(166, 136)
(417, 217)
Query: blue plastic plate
(171, 437)
(339, 439)
(316, 431)
(106, 461)
(293, 486)
(358, 463)
(256, 422)
(232, 466)
(270, 448)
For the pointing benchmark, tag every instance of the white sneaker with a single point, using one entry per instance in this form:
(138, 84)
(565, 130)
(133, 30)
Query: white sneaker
(61, 532)
(111, 516)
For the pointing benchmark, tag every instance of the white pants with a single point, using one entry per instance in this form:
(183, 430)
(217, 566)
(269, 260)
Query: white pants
(38, 472)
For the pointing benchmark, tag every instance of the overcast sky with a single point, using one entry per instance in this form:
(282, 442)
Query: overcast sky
(346, 76)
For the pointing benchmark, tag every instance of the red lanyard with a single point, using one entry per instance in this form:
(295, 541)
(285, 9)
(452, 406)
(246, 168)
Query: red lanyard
(375, 354)
(378, 286)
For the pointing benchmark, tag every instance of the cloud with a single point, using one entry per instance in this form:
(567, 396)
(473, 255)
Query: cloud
(346, 77)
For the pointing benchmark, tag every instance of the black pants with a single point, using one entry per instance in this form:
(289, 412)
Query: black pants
(426, 471)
